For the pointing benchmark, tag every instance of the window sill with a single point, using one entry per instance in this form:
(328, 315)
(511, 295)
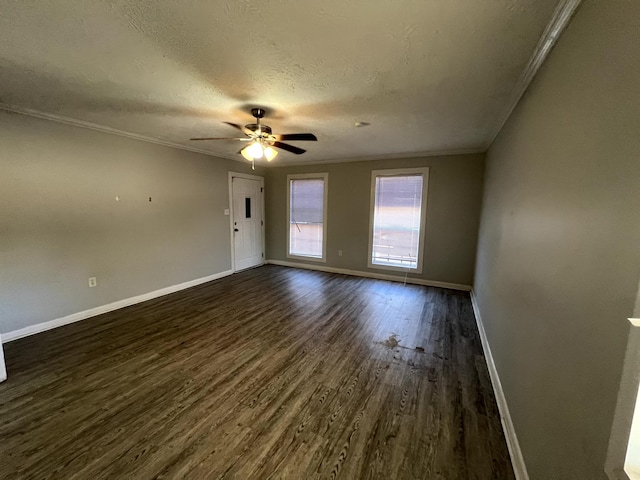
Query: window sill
(393, 268)
(310, 259)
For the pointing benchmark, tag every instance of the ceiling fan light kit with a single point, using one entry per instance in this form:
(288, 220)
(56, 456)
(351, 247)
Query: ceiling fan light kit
(256, 150)
(262, 141)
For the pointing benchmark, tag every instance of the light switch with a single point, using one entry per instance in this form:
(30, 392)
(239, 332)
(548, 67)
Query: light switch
(226, 211)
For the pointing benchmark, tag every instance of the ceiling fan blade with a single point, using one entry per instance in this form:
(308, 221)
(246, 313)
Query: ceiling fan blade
(239, 127)
(297, 136)
(289, 148)
(222, 138)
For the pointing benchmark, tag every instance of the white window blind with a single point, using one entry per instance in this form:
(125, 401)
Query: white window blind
(306, 217)
(396, 220)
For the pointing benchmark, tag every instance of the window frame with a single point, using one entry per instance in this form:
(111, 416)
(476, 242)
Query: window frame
(324, 176)
(399, 172)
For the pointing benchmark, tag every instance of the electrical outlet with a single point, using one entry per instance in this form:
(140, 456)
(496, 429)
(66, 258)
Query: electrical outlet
(93, 282)
(339, 253)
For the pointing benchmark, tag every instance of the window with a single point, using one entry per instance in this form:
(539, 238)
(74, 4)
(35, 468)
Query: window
(398, 216)
(307, 216)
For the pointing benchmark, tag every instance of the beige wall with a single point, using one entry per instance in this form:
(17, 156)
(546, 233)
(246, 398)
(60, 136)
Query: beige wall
(60, 223)
(559, 246)
(455, 190)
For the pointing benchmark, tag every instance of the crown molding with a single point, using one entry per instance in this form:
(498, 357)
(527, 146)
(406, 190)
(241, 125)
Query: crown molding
(101, 128)
(389, 156)
(114, 131)
(559, 20)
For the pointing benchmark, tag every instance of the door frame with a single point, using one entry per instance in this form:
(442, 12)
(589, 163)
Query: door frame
(233, 243)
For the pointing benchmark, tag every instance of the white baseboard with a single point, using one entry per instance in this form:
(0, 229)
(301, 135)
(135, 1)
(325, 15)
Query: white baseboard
(379, 276)
(3, 368)
(517, 460)
(92, 312)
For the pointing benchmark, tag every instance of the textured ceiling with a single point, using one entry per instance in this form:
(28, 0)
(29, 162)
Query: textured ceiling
(428, 75)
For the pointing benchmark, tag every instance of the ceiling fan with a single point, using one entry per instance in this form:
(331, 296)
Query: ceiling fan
(262, 140)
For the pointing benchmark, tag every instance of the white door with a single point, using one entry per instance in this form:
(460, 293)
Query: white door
(247, 223)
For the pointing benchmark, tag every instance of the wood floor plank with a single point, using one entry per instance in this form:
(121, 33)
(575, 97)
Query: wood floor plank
(271, 373)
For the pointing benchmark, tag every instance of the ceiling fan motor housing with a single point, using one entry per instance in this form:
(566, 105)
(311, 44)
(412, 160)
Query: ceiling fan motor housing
(254, 128)
(265, 130)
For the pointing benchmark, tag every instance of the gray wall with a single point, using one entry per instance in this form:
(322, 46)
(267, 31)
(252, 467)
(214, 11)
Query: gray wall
(559, 245)
(453, 211)
(60, 222)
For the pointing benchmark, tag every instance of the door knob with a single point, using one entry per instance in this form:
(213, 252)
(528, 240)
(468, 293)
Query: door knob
(236, 230)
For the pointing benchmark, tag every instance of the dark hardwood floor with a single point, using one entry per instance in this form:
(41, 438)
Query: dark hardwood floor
(270, 373)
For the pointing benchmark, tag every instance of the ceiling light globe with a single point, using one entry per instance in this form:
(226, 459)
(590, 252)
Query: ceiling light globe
(245, 154)
(255, 150)
(270, 153)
